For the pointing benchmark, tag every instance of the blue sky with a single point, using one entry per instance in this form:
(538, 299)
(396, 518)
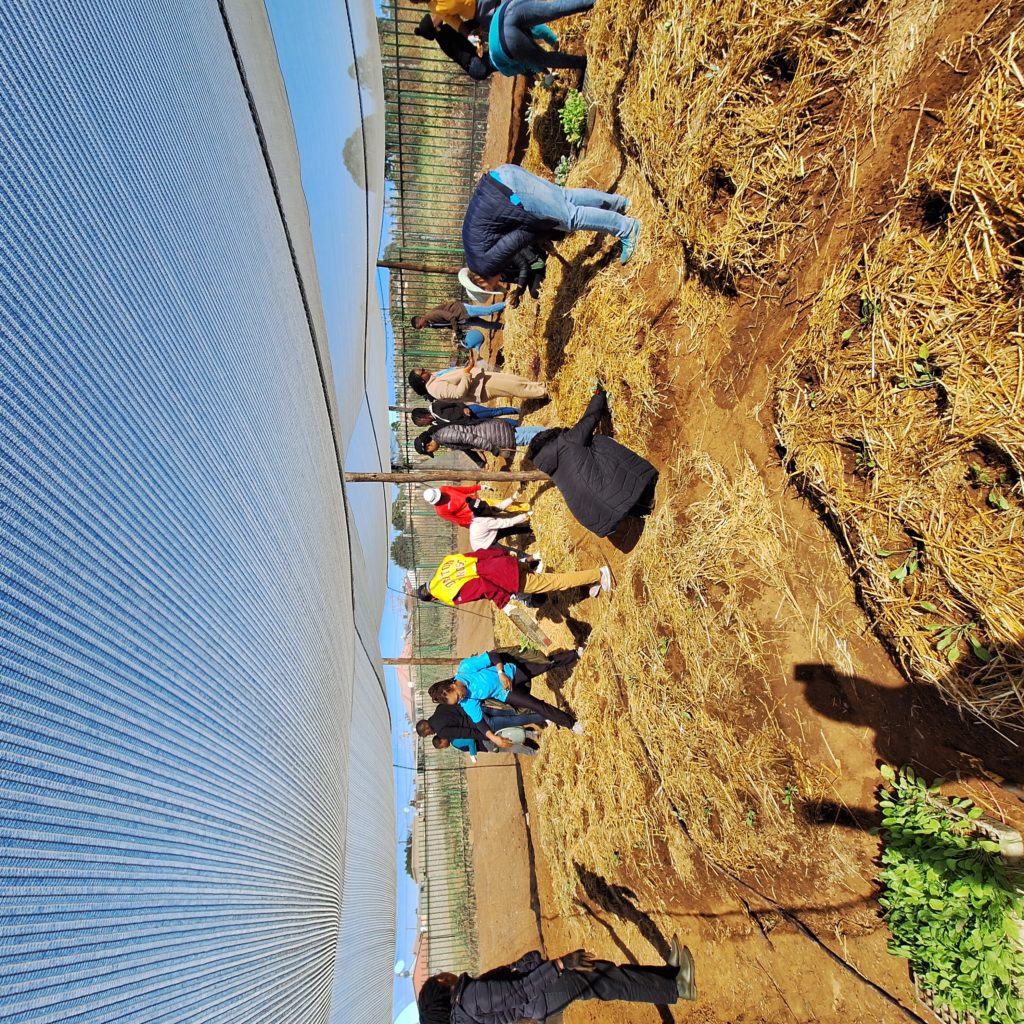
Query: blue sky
(314, 49)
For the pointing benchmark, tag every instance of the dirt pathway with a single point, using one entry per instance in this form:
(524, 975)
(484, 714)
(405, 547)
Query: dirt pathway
(794, 951)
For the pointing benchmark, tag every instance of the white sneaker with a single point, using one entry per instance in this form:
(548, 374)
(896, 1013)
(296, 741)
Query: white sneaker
(578, 728)
(594, 590)
(539, 567)
(606, 578)
(579, 652)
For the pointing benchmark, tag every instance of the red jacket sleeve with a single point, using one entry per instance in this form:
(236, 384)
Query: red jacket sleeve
(461, 490)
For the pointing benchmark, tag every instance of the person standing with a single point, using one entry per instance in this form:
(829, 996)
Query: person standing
(497, 436)
(473, 383)
(456, 315)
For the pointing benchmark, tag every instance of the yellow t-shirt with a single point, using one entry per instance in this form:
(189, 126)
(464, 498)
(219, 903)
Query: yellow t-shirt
(454, 12)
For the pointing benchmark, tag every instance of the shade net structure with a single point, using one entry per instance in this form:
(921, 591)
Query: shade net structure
(188, 830)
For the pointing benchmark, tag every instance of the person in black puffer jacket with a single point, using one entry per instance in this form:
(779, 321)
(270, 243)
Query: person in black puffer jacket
(601, 480)
(534, 989)
(457, 48)
(494, 435)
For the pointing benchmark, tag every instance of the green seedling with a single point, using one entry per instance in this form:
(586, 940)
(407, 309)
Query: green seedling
(663, 645)
(980, 476)
(573, 116)
(925, 375)
(910, 564)
(864, 463)
(789, 795)
(869, 309)
(948, 637)
(951, 902)
(751, 818)
(997, 500)
(562, 169)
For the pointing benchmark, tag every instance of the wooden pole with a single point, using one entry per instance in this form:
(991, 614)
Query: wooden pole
(423, 268)
(420, 661)
(423, 476)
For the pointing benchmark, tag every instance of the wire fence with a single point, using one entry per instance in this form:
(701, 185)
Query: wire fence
(436, 120)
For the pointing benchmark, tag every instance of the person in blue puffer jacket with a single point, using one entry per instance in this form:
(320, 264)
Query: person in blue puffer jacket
(516, 26)
(513, 213)
(534, 988)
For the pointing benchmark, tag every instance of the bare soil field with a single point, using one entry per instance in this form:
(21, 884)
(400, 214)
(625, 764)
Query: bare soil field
(760, 657)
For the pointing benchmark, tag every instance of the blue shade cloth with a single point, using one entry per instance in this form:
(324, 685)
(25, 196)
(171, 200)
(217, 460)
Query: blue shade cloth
(177, 648)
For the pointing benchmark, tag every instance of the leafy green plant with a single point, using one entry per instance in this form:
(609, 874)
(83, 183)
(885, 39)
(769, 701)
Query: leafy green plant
(864, 462)
(980, 475)
(751, 818)
(562, 169)
(869, 309)
(926, 372)
(789, 795)
(573, 115)
(997, 500)
(951, 903)
(911, 563)
(947, 637)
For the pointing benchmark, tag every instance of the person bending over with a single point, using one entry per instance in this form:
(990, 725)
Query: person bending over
(496, 676)
(601, 480)
(535, 989)
(512, 211)
(495, 575)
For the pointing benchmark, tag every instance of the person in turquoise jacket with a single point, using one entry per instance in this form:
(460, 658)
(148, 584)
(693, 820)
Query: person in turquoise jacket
(497, 676)
(517, 26)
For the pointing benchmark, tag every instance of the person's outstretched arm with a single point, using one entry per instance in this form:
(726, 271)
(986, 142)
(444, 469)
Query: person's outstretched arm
(584, 430)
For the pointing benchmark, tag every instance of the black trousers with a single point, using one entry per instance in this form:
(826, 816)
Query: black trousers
(526, 671)
(608, 982)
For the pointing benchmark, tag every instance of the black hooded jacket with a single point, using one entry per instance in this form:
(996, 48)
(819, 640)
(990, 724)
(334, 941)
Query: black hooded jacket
(506, 994)
(600, 479)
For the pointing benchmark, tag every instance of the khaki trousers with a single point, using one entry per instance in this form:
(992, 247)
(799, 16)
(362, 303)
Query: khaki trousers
(547, 582)
(495, 385)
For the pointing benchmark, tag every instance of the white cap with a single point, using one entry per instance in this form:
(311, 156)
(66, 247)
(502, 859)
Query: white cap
(431, 495)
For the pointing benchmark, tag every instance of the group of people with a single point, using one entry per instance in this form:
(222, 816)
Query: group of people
(512, 221)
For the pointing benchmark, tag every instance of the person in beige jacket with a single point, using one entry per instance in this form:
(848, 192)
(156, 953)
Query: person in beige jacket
(473, 383)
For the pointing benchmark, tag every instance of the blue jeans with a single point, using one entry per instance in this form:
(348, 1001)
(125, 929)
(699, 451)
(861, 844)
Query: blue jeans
(496, 719)
(524, 435)
(572, 209)
(485, 412)
(520, 16)
(496, 307)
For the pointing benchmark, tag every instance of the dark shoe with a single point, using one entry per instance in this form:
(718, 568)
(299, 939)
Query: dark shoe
(675, 953)
(686, 986)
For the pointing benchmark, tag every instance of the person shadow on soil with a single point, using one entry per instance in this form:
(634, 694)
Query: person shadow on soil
(913, 725)
(577, 276)
(621, 902)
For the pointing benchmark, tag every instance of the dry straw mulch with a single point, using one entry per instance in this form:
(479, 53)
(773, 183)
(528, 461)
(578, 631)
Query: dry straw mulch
(683, 756)
(902, 405)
